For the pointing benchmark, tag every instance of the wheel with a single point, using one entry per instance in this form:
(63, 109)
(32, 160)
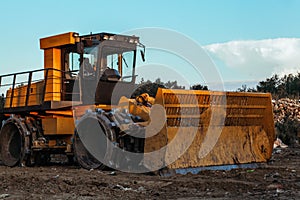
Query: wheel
(89, 144)
(83, 156)
(11, 143)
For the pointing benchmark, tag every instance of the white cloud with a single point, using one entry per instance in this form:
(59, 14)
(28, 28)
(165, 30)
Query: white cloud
(262, 58)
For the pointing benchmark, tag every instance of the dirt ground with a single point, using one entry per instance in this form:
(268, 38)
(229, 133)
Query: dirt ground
(278, 179)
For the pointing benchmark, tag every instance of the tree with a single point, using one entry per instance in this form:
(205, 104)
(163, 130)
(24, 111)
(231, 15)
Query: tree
(287, 86)
(270, 85)
(148, 87)
(173, 85)
(199, 87)
(244, 88)
(287, 130)
(152, 87)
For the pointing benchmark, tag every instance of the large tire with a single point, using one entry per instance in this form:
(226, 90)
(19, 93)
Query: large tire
(86, 143)
(82, 155)
(12, 143)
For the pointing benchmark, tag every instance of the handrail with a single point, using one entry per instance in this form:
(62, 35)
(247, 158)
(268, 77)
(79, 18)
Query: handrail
(13, 90)
(37, 70)
(14, 85)
(28, 88)
(45, 85)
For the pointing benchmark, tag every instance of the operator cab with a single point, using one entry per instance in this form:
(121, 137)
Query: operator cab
(100, 68)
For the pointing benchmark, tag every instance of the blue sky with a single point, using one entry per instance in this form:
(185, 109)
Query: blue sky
(244, 28)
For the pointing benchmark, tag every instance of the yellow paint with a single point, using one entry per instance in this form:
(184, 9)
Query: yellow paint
(57, 40)
(60, 112)
(58, 126)
(52, 61)
(205, 128)
(19, 98)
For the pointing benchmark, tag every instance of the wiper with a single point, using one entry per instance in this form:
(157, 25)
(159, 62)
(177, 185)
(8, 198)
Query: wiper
(124, 61)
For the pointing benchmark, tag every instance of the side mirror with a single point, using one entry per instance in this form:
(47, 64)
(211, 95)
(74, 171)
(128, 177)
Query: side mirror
(143, 55)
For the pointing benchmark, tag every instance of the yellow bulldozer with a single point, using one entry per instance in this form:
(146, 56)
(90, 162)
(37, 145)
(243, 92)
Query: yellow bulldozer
(80, 105)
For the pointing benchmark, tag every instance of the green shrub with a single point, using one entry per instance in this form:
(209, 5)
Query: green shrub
(288, 130)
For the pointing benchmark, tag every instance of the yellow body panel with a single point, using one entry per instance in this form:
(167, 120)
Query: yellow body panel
(58, 126)
(54, 84)
(204, 128)
(234, 145)
(57, 40)
(52, 61)
(19, 98)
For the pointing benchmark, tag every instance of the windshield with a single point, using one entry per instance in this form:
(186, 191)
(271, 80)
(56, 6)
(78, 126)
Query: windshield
(120, 59)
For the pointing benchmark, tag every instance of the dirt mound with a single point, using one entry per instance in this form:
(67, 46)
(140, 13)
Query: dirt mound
(287, 120)
(286, 107)
(278, 179)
